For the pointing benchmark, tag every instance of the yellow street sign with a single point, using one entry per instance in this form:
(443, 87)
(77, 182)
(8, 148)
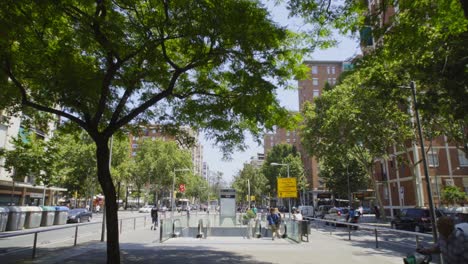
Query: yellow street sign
(287, 187)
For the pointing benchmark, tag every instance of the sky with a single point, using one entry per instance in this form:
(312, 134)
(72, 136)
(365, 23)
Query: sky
(346, 48)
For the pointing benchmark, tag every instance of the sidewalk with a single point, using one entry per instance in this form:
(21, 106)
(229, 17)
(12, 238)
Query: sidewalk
(142, 246)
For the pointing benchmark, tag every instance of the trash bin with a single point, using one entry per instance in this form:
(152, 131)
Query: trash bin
(16, 217)
(48, 215)
(33, 216)
(61, 215)
(3, 218)
(304, 229)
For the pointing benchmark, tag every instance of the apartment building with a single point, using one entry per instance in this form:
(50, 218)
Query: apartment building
(26, 191)
(320, 74)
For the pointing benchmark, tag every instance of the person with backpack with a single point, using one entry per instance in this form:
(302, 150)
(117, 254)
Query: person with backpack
(274, 221)
(452, 243)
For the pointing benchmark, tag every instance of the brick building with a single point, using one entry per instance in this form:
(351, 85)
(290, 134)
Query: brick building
(320, 73)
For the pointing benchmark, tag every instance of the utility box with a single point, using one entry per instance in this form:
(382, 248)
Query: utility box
(48, 215)
(61, 215)
(16, 217)
(3, 218)
(33, 216)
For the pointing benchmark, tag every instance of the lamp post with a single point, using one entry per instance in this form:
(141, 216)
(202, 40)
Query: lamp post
(287, 167)
(424, 160)
(172, 193)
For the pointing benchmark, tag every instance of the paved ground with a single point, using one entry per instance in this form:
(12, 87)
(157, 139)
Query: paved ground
(142, 246)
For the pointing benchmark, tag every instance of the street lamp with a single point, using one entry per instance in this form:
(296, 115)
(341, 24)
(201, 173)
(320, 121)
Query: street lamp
(287, 166)
(172, 193)
(424, 160)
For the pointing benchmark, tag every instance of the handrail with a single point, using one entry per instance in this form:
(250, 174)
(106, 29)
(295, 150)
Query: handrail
(200, 229)
(173, 226)
(52, 228)
(258, 231)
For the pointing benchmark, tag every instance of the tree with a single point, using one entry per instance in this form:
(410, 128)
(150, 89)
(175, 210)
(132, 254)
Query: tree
(155, 162)
(284, 154)
(105, 64)
(354, 119)
(339, 171)
(254, 175)
(276, 155)
(452, 195)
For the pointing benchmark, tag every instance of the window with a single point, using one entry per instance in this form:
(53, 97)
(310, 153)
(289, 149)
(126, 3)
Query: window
(462, 158)
(315, 81)
(288, 133)
(333, 70)
(334, 80)
(316, 93)
(328, 70)
(287, 140)
(134, 145)
(433, 158)
(449, 182)
(314, 69)
(154, 131)
(329, 80)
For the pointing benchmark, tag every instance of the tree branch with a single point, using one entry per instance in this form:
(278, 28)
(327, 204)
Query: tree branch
(26, 102)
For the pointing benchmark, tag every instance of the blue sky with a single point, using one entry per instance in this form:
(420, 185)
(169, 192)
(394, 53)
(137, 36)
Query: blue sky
(212, 155)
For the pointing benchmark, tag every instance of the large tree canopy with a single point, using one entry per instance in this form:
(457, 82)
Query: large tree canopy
(103, 64)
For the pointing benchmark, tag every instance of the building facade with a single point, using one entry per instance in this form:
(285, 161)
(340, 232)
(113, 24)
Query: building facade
(26, 191)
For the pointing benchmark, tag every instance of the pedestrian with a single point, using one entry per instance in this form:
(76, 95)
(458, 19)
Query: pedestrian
(254, 209)
(453, 242)
(377, 212)
(297, 216)
(274, 221)
(154, 217)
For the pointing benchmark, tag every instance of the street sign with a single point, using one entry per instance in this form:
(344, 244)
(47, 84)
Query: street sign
(287, 187)
(181, 187)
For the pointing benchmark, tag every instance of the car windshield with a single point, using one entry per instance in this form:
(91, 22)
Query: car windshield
(415, 213)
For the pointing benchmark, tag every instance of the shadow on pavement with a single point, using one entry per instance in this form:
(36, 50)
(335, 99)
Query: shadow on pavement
(136, 253)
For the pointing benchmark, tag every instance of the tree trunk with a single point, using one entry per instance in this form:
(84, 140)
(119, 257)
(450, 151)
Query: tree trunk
(377, 193)
(105, 179)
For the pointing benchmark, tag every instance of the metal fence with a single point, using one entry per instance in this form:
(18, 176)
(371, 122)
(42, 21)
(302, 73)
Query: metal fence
(367, 235)
(25, 244)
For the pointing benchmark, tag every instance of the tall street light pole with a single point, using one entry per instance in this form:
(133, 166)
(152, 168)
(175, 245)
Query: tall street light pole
(172, 193)
(287, 167)
(424, 159)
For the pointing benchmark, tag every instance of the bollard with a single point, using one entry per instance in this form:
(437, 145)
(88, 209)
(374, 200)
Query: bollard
(34, 246)
(76, 235)
(134, 223)
(376, 239)
(121, 226)
(144, 221)
(160, 231)
(417, 241)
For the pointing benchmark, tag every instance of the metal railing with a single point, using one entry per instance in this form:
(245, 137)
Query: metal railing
(377, 231)
(130, 224)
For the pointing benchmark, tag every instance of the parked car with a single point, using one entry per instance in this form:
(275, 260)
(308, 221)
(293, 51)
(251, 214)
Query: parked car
(146, 209)
(163, 209)
(306, 211)
(79, 215)
(366, 210)
(322, 210)
(337, 214)
(414, 219)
